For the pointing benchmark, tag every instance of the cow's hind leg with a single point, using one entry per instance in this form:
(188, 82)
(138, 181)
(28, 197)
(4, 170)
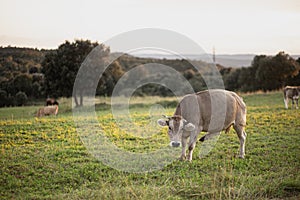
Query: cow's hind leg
(209, 136)
(242, 137)
(293, 103)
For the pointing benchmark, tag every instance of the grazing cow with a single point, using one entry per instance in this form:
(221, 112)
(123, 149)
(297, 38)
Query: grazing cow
(51, 102)
(47, 110)
(291, 92)
(209, 111)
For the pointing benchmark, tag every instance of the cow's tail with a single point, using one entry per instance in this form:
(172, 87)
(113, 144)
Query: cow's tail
(240, 101)
(243, 109)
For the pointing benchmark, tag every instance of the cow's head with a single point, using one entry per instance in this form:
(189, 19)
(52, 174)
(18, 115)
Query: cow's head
(176, 126)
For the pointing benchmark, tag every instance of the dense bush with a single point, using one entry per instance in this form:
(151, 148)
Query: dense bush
(21, 98)
(266, 73)
(3, 98)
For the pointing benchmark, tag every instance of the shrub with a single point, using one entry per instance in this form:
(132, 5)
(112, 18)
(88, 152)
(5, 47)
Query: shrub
(3, 98)
(21, 98)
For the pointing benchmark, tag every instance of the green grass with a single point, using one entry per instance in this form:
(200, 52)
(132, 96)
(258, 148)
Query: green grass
(44, 158)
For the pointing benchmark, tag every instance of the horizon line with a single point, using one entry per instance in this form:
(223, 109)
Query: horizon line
(162, 54)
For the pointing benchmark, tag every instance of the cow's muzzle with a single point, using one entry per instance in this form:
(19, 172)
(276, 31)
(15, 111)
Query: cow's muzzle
(175, 144)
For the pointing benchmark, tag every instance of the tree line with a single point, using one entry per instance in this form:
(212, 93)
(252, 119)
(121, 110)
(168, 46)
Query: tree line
(266, 73)
(36, 74)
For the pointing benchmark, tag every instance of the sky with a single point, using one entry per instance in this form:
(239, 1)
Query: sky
(231, 27)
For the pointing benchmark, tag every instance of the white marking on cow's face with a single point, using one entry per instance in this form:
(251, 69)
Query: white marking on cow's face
(176, 125)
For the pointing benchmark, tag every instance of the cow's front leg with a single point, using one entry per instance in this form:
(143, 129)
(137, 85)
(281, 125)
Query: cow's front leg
(183, 151)
(286, 102)
(191, 149)
(192, 144)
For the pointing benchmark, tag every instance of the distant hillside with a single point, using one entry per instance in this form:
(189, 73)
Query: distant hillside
(241, 60)
(20, 60)
(20, 75)
(24, 54)
(226, 60)
(238, 60)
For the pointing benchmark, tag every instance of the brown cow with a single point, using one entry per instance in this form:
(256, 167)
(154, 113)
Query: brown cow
(210, 111)
(47, 110)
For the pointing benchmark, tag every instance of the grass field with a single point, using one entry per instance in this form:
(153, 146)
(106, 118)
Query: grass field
(44, 158)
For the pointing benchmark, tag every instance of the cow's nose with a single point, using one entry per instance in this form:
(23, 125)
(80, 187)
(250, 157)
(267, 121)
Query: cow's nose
(175, 144)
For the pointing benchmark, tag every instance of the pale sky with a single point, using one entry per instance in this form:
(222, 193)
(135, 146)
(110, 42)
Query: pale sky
(232, 27)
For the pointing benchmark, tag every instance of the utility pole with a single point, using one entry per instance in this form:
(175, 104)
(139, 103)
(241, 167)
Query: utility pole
(214, 55)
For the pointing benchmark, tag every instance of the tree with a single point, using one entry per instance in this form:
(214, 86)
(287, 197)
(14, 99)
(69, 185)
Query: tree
(88, 75)
(36, 90)
(110, 78)
(60, 68)
(197, 82)
(231, 79)
(294, 80)
(3, 98)
(23, 82)
(274, 72)
(21, 98)
(246, 80)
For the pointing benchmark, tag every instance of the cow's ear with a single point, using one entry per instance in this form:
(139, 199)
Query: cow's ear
(189, 127)
(162, 122)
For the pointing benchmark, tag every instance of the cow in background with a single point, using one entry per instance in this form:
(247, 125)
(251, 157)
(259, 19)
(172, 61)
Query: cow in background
(51, 108)
(47, 110)
(291, 92)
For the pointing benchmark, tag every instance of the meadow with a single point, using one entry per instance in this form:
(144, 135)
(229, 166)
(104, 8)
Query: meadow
(44, 158)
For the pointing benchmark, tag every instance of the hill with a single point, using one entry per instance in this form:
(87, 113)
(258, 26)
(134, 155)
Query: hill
(226, 60)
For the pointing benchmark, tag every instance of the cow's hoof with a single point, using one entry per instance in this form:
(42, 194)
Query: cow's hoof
(202, 139)
(182, 158)
(189, 159)
(242, 157)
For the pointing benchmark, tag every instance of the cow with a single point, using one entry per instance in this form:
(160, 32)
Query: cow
(47, 110)
(209, 111)
(291, 92)
(51, 102)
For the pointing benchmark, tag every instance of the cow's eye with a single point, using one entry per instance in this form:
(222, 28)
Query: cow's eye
(170, 128)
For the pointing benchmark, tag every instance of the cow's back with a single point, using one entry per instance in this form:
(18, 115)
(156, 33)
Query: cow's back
(213, 110)
(291, 91)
